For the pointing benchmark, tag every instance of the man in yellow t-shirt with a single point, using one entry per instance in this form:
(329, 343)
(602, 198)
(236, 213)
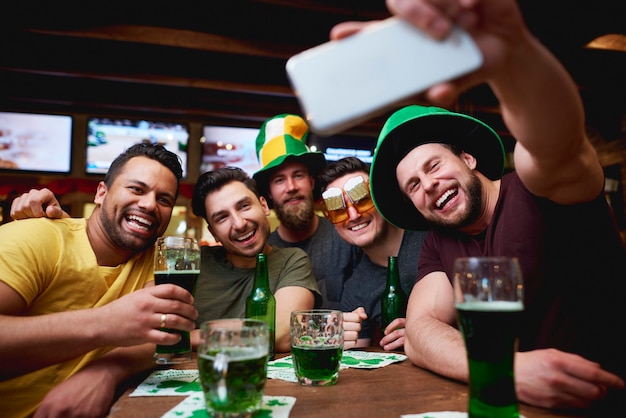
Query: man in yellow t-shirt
(79, 310)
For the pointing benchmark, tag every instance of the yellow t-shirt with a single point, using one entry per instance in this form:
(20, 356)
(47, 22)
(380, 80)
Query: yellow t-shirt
(50, 263)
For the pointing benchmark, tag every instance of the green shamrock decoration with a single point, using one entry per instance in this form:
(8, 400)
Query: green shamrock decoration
(181, 386)
(276, 402)
(351, 361)
(283, 364)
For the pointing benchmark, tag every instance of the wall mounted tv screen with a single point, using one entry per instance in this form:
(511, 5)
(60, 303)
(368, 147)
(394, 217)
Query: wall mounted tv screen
(35, 142)
(232, 146)
(109, 137)
(339, 146)
(229, 146)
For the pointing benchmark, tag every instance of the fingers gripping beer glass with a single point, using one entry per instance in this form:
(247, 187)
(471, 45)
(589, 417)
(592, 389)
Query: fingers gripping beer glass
(489, 303)
(177, 261)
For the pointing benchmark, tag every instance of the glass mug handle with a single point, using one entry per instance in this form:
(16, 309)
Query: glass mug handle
(221, 367)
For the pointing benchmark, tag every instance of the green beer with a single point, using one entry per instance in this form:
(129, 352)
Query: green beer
(233, 379)
(319, 365)
(187, 280)
(490, 333)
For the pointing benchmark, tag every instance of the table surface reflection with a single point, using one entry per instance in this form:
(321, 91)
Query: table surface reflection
(391, 391)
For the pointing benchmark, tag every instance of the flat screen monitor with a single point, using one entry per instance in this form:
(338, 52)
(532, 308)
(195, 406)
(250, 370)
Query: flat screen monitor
(337, 153)
(232, 146)
(109, 137)
(337, 147)
(229, 146)
(35, 142)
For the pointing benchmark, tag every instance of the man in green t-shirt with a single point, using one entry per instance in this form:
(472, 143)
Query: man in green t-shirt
(237, 217)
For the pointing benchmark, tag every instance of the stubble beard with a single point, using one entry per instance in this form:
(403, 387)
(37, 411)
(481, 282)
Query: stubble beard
(263, 230)
(472, 212)
(296, 217)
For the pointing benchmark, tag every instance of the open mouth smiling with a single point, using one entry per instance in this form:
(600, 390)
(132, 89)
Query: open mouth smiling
(139, 222)
(246, 236)
(359, 226)
(445, 198)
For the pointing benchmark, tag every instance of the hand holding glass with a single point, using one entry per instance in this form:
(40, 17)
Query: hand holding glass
(232, 364)
(489, 303)
(177, 261)
(316, 345)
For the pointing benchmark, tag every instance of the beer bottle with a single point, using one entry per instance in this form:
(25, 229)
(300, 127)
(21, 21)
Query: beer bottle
(393, 301)
(261, 303)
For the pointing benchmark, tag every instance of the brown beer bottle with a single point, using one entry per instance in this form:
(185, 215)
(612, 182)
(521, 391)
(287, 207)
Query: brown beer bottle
(393, 301)
(261, 303)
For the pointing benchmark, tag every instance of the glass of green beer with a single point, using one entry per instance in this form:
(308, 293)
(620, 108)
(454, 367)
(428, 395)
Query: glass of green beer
(316, 345)
(232, 364)
(177, 261)
(489, 304)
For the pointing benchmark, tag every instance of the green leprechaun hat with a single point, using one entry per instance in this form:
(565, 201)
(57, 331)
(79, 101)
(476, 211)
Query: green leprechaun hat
(415, 125)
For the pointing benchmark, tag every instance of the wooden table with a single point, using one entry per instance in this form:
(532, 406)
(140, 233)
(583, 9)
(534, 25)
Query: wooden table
(391, 391)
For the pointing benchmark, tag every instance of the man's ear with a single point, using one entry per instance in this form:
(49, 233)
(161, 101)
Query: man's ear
(101, 191)
(212, 233)
(469, 160)
(266, 208)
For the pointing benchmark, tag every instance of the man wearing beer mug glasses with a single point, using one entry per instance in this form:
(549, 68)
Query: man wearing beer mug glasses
(337, 202)
(344, 184)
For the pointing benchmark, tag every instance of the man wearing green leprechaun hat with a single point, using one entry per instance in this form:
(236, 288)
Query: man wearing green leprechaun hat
(444, 170)
(287, 179)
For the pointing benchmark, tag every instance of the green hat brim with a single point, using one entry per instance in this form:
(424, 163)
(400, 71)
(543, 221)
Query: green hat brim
(416, 125)
(314, 161)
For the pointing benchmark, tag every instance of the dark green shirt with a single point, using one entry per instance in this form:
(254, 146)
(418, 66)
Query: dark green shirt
(222, 288)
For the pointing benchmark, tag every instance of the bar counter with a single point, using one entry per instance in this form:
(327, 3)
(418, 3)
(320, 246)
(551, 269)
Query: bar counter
(391, 391)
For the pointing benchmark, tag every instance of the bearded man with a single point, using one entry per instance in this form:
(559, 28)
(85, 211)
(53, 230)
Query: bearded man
(287, 180)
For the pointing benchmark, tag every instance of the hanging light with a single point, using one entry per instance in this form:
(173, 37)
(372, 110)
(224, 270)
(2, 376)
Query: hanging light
(611, 41)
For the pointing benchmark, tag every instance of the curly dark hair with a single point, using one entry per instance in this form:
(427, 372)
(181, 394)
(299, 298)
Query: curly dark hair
(215, 180)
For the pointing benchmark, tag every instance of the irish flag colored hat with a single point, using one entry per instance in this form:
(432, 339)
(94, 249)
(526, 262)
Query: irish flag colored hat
(282, 138)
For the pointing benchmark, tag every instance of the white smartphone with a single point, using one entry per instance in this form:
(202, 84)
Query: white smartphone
(342, 83)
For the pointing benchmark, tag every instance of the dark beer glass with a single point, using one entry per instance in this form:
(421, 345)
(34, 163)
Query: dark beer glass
(489, 304)
(177, 261)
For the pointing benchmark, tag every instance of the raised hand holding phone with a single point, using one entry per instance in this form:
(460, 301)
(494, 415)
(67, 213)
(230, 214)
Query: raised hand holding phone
(342, 83)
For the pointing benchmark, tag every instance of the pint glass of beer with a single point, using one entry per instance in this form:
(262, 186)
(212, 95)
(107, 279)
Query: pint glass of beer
(177, 261)
(489, 303)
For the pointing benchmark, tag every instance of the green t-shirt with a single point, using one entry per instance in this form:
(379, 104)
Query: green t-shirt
(222, 288)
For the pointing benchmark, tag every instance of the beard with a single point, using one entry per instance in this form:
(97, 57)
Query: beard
(119, 237)
(295, 217)
(472, 212)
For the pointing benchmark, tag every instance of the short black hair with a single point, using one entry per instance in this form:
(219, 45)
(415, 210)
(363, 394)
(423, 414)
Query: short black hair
(215, 180)
(154, 152)
(340, 168)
